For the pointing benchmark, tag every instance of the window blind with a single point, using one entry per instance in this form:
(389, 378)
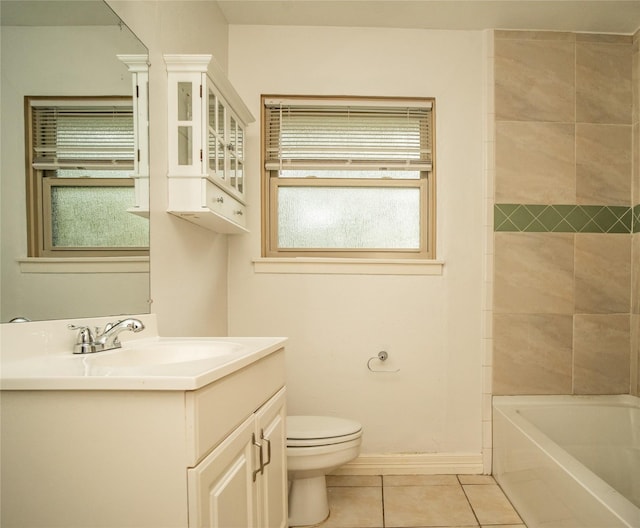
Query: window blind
(96, 136)
(310, 134)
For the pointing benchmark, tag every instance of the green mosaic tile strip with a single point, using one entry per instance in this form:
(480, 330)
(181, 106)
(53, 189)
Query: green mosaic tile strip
(531, 218)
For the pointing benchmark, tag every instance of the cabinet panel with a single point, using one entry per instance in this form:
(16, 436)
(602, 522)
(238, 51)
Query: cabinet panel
(272, 486)
(93, 459)
(220, 202)
(243, 392)
(242, 483)
(221, 490)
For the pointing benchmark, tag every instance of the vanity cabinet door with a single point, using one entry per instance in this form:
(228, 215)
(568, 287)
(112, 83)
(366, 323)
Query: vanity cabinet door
(221, 487)
(272, 485)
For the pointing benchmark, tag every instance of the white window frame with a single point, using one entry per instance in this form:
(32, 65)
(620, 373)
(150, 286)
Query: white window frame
(272, 161)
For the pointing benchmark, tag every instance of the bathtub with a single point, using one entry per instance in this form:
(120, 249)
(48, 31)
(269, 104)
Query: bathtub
(569, 461)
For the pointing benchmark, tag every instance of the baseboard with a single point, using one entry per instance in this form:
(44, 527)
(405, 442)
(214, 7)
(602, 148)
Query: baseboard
(414, 464)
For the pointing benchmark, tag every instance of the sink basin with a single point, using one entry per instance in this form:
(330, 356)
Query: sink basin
(165, 352)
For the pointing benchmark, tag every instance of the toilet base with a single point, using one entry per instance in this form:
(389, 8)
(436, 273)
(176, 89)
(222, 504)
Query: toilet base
(308, 503)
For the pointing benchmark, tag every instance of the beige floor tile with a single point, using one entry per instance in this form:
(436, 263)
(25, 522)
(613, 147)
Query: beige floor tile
(490, 504)
(503, 526)
(419, 480)
(353, 480)
(354, 507)
(476, 479)
(423, 506)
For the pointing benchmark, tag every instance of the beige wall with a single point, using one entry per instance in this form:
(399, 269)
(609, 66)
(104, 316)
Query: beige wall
(563, 129)
(188, 263)
(430, 325)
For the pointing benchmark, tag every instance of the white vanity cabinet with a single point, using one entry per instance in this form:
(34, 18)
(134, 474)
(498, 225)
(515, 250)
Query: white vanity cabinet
(229, 489)
(211, 457)
(206, 145)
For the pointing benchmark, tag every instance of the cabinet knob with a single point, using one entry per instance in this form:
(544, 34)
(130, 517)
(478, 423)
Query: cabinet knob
(220, 199)
(238, 212)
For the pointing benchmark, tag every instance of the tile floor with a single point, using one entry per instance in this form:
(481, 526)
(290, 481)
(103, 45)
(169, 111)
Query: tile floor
(418, 501)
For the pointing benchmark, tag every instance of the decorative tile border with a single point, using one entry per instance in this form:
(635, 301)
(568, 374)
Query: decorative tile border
(532, 218)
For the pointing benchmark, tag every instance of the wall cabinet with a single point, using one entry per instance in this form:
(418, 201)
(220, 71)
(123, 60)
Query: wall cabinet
(211, 457)
(206, 144)
(138, 65)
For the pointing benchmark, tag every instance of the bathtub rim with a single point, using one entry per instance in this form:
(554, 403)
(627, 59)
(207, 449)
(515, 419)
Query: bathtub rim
(600, 490)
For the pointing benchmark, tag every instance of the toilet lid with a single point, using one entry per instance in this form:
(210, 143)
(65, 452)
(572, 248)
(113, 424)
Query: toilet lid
(320, 430)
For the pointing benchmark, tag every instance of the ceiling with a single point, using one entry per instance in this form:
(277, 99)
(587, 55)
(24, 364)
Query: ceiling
(598, 16)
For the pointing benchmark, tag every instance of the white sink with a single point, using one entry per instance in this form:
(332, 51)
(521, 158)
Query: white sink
(146, 363)
(165, 353)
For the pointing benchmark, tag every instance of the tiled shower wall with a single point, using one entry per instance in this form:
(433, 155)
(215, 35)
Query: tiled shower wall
(566, 258)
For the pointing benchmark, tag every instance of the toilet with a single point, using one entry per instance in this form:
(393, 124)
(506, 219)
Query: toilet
(316, 445)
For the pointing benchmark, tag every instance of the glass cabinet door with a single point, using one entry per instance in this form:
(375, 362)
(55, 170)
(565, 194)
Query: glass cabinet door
(221, 117)
(214, 145)
(233, 139)
(240, 160)
(225, 143)
(185, 123)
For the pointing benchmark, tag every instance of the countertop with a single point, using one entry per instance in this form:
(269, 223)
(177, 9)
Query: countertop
(54, 369)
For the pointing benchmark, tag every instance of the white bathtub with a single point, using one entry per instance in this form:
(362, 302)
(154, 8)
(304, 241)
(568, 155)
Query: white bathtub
(569, 461)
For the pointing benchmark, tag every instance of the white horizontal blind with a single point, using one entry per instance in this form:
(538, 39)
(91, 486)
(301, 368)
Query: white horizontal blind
(342, 134)
(97, 136)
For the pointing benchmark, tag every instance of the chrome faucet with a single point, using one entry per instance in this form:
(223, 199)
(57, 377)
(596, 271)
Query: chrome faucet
(90, 341)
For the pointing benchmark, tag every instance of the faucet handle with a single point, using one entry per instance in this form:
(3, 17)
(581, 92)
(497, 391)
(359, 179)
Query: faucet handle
(81, 328)
(85, 339)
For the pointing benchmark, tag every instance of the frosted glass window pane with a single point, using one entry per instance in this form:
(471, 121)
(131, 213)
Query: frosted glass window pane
(85, 217)
(92, 173)
(348, 218)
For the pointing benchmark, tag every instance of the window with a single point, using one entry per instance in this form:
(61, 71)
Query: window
(348, 177)
(80, 159)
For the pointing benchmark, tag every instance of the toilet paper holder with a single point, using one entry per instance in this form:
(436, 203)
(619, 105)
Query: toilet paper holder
(382, 356)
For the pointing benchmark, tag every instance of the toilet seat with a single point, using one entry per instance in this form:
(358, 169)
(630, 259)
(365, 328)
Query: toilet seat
(311, 431)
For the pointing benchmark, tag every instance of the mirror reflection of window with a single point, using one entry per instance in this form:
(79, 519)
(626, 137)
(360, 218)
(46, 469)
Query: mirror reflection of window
(81, 160)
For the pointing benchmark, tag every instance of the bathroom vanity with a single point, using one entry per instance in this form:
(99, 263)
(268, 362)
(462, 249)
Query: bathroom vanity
(94, 442)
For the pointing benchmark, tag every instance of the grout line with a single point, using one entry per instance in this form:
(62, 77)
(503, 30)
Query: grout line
(469, 502)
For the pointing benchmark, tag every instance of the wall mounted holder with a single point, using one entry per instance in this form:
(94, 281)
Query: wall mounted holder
(382, 356)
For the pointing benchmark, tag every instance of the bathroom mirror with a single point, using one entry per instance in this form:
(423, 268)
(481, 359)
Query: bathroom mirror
(69, 49)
